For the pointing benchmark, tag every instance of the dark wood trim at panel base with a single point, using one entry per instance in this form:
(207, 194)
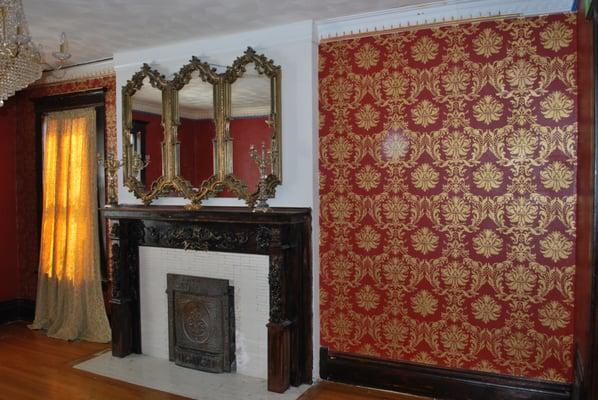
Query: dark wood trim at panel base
(16, 310)
(579, 375)
(440, 383)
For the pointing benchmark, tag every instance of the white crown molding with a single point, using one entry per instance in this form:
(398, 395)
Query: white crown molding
(191, 113)
(247, 112)
(436, 12)
(195, 113)
(149, 107)
(86, 71)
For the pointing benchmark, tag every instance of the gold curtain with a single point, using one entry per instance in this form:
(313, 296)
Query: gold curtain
(69, 296)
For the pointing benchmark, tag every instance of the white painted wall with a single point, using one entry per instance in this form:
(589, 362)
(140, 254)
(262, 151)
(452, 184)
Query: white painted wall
(294, 48)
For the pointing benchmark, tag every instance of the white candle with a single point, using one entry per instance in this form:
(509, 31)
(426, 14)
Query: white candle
(63, 43)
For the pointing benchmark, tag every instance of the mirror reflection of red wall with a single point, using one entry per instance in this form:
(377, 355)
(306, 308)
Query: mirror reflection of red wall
(152, 143)
(196, 150)
(246, 132)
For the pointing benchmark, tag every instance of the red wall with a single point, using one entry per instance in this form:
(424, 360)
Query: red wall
(448, 195)
(187, 135)
(9, 271)
(246, 132)
(197, 158)
(153, 148)
(196, 149)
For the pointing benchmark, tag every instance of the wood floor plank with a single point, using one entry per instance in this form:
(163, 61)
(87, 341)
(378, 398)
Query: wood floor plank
(35, 367)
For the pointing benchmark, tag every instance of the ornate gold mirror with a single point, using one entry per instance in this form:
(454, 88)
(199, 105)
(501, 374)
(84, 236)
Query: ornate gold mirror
(204, 134)
(253, 121)
(195, 130)
(146, 111)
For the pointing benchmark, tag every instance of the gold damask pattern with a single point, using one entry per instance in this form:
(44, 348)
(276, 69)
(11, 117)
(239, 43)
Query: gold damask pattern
(448, 192)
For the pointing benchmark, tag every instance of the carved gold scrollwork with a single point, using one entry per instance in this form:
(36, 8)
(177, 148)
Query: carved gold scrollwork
(131, 167)
(276, 292)
(267, 67)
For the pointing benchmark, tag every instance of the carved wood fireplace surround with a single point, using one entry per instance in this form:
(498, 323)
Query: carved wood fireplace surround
(283, 234)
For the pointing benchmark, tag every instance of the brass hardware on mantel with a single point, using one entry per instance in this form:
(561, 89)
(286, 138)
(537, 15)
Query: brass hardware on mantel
(262, 160)
(240, 92)
(111, 165)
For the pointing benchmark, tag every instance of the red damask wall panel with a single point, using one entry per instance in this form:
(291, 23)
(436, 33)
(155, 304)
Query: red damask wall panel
(448, 192)
(26, 169)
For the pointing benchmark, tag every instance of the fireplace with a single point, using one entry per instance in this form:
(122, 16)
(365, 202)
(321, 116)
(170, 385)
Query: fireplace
(201, 323)
(283, 235)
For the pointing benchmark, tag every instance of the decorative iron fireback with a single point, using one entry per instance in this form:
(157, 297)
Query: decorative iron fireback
(201, 323)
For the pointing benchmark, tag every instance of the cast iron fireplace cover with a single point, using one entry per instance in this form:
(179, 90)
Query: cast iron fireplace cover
(201, 323)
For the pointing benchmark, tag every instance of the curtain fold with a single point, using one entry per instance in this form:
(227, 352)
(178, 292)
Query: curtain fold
(69, 302)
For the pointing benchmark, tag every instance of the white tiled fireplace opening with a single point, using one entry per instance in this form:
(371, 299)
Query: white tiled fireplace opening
(248, 273)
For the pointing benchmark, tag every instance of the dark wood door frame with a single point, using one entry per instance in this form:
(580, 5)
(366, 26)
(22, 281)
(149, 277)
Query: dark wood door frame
(586, 339)
(93, 98)
(591, 375)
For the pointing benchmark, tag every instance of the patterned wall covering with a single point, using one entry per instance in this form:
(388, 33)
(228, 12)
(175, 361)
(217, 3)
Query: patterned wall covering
(448, 193)
(27, 198)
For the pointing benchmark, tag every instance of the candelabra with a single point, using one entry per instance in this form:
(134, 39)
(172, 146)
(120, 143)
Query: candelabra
(138, 163)
(111, 166)
(262, 160)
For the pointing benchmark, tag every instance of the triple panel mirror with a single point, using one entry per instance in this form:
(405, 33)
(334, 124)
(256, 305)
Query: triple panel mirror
(203, 133)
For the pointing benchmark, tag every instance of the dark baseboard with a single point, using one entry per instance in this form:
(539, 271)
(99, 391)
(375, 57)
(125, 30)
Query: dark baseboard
(579, 384)
(16, 310)
(440, 383)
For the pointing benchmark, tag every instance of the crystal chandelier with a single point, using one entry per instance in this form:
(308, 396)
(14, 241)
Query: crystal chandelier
(20, 59)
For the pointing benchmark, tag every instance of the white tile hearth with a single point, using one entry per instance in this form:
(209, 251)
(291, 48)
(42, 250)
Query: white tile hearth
(160, 374)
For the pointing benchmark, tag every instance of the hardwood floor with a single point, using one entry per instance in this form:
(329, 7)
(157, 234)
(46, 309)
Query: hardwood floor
(34, 367)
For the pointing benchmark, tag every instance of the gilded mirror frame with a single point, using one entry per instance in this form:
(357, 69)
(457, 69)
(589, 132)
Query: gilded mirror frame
(222, 176)
(212, 185)
(131, 159)
(267, 67)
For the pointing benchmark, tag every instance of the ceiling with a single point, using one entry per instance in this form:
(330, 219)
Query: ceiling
(250, 96)
(98, 28)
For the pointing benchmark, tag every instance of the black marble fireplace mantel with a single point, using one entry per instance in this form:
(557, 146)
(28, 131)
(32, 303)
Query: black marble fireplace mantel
(284, 234)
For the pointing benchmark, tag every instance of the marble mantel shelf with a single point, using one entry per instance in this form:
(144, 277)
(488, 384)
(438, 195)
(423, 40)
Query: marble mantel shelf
(284, 234)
